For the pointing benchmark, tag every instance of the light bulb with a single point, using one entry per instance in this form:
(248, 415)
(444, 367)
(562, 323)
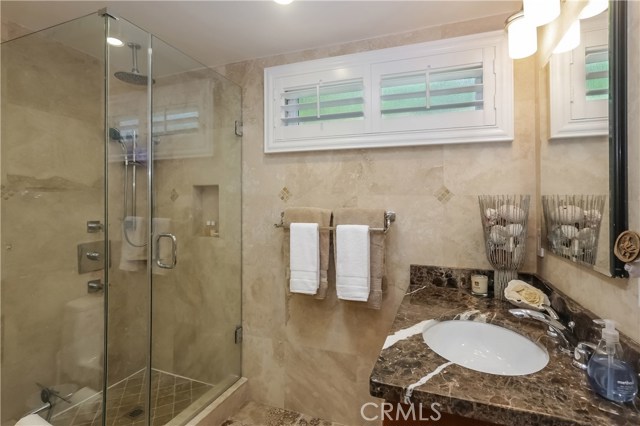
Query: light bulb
(593, 8)
(284, 2)
(523, 37)
(570, 40)
(540, 12)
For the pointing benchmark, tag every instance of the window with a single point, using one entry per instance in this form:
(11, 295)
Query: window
(167, 121)
(175, 120)
(342, 100)
(597, 74)
(432, 92)
(448, 91)
(579, 84)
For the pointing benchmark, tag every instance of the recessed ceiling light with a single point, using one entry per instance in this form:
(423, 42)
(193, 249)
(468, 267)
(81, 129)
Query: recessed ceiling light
(115, 41)
(283, 1)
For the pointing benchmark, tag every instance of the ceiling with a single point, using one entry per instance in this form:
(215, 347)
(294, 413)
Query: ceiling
(223, 32)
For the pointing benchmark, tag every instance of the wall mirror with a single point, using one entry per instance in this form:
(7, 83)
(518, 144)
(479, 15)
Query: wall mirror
(586, 167)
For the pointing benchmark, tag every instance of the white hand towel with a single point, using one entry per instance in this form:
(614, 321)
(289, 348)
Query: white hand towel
(32, 420)
(352, 262)
(304, 258)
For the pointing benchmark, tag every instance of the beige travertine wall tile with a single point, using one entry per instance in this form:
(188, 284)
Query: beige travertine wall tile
(331, 345)
(341, 393)
(263, 362)
(10, 30)
(611, 298)
(430, 230)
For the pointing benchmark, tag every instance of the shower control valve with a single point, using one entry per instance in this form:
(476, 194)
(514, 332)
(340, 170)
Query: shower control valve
(93, 255)
(94, 226)
(94, 286)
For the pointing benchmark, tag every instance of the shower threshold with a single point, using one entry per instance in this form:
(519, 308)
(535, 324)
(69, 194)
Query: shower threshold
(170, 396)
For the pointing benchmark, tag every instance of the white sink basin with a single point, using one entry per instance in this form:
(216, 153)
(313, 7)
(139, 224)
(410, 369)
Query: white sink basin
(485, 347)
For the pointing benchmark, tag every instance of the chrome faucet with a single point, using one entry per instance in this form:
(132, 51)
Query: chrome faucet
(568, 340)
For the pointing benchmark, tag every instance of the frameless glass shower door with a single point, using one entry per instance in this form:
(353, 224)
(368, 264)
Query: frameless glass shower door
(195, 277)
(121, 221)
(174, 294)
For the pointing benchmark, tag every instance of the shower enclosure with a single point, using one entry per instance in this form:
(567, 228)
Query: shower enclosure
(120, 228)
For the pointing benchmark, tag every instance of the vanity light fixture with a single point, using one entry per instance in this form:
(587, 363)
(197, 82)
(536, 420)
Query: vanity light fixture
(541, 12)
(570, 40)
(283, 2)
(593, 8)
(523, 36)
(113, 41)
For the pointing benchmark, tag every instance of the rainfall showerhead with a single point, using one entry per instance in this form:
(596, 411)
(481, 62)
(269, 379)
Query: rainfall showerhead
(133, 77)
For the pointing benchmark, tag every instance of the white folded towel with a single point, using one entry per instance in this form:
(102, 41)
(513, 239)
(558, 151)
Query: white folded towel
(304, 258)
(352, 262)
(32, 420)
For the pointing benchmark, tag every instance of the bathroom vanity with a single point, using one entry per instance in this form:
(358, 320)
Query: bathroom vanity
(408, 372)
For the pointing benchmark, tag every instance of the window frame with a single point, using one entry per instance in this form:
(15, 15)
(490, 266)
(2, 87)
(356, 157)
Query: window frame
(374, 130)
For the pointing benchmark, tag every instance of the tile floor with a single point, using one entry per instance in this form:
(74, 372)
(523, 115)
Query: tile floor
(170, 395)
(253, 414)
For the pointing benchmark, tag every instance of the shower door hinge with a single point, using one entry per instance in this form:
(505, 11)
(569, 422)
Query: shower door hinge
(238, 335)
(238, 128)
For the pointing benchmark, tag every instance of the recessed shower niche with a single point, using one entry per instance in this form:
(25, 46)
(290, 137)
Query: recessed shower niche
(206, 210)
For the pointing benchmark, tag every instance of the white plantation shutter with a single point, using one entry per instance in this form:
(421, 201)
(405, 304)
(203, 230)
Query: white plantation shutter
(438, 91)
(589, 78)
(447, 91)
(443, 93)
(323, 102)
(597, 74)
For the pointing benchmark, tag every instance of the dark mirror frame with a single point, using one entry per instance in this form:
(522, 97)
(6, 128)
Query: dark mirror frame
(618, 205)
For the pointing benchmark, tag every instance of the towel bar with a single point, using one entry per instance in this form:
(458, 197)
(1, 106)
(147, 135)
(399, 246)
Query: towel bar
(389, 218)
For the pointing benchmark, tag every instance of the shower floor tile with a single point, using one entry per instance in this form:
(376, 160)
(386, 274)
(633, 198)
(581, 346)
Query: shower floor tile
(253, 414)
(170, 395)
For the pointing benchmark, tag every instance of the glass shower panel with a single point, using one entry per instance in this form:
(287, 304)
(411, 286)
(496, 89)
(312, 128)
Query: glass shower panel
(52, 183)
(128, 295)
(102, 165)
(196, 291)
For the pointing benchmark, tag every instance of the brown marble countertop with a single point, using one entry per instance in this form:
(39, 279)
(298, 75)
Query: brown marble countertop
(408, 371)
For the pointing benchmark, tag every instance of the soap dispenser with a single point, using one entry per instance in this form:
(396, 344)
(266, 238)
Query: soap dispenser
(610, 376)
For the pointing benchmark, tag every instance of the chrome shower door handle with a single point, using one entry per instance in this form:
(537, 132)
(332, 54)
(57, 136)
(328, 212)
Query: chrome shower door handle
(174, 251)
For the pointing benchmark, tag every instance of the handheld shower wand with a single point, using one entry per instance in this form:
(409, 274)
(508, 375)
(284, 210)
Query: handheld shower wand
(128, 210)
